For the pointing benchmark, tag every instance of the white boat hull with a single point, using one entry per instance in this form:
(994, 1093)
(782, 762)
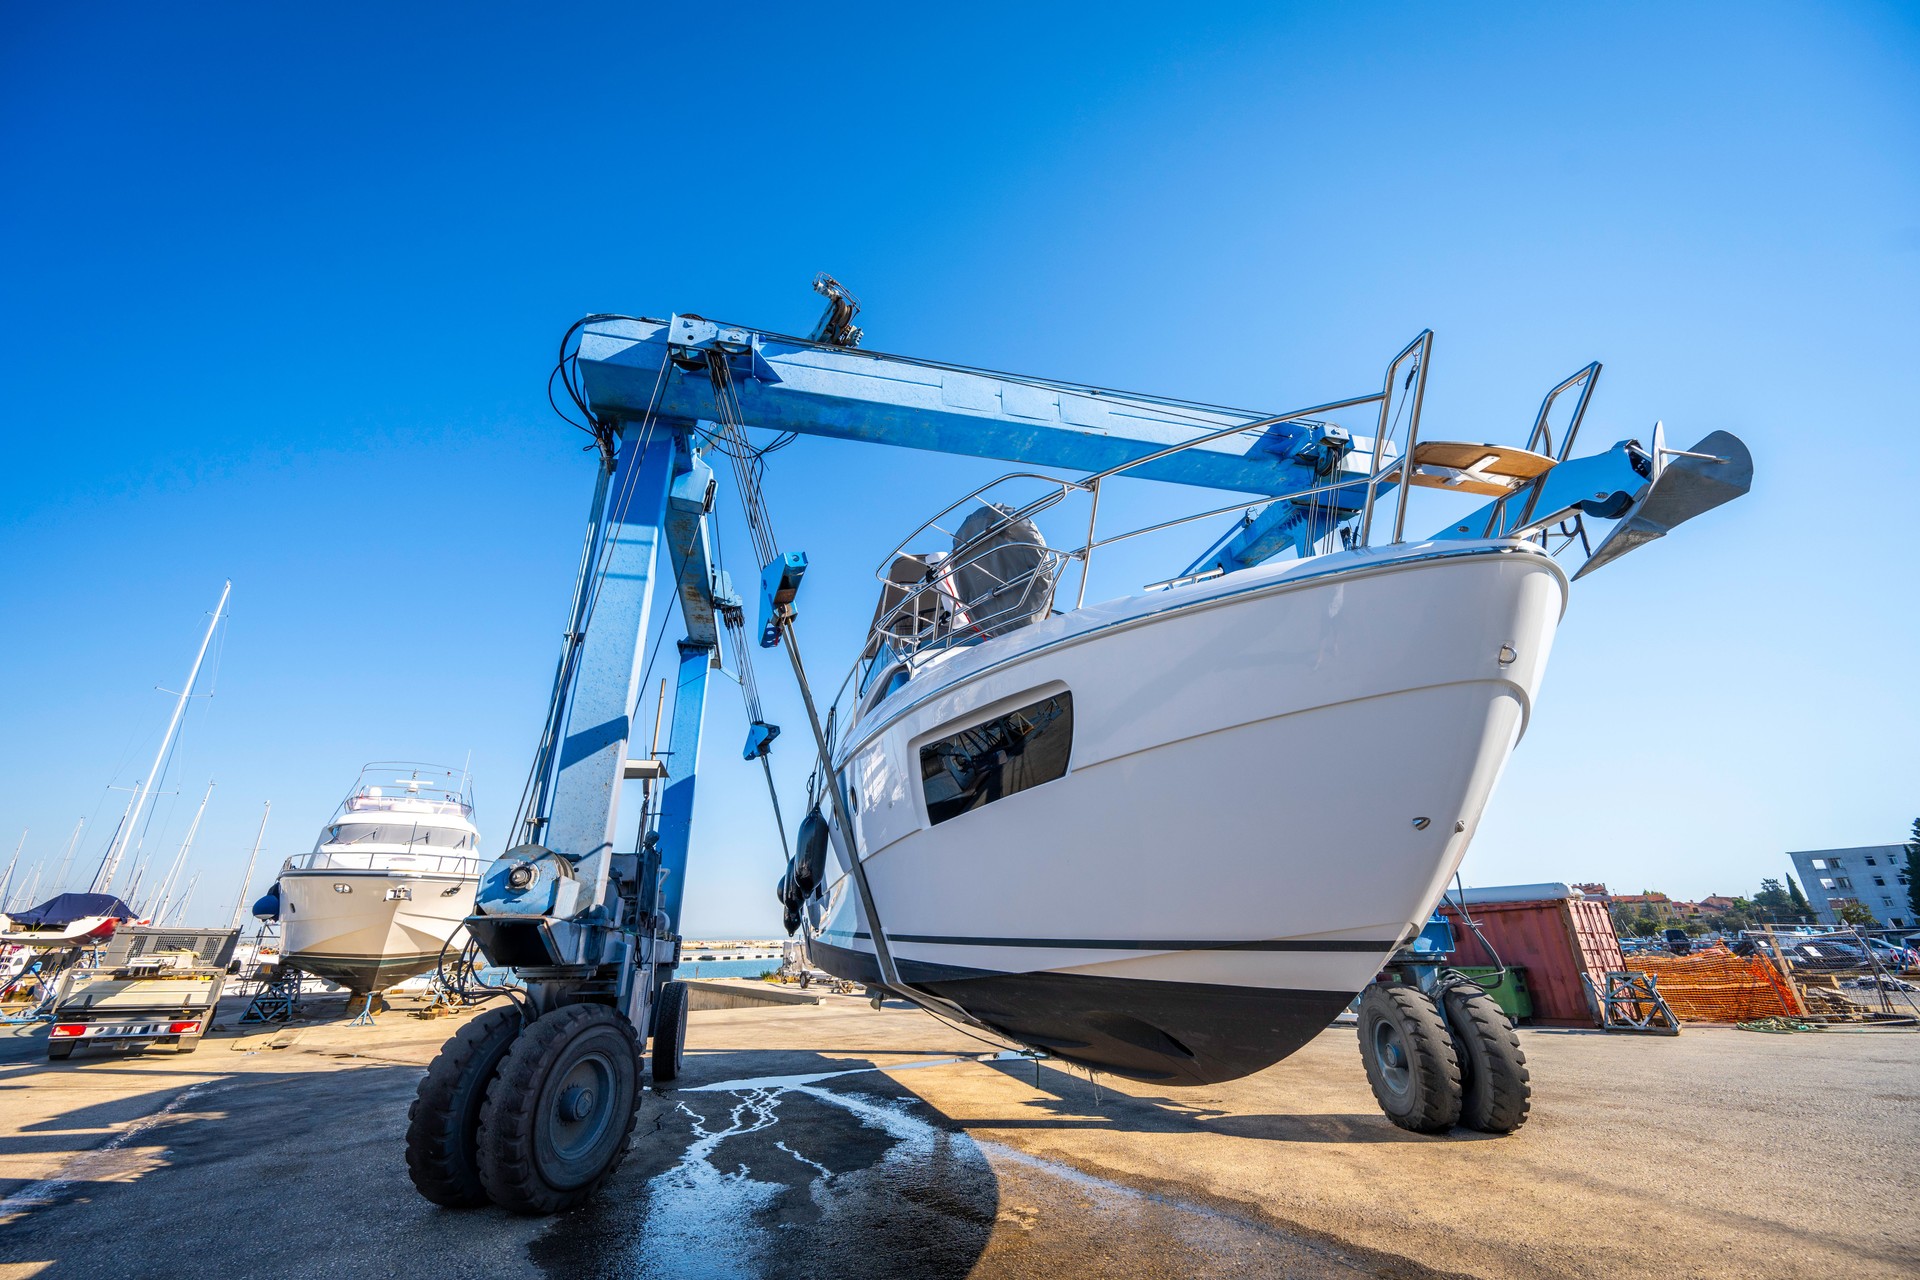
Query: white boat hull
(1273, 775)
(365, 940)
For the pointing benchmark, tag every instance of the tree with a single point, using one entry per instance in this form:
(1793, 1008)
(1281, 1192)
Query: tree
(1802, 909)
(1644, 926)
(1855, 914)
(1772, 902)
(1913, 870)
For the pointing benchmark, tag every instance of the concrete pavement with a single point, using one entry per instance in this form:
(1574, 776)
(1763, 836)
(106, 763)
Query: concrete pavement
(835, 1141)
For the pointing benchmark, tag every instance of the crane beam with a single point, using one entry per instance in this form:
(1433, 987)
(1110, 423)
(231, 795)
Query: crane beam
(628, 372)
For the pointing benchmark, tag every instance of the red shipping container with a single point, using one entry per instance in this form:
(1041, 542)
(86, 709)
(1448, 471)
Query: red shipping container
(1557, 940)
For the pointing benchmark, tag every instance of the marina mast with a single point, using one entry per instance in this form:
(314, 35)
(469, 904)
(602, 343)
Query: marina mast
(66, 859)
(6, 878)
(168, 885)
(110, 862)
(240, 903)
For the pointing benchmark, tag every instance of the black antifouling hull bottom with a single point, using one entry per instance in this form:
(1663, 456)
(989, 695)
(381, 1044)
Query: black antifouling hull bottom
(1185, 1033)
(365, 973)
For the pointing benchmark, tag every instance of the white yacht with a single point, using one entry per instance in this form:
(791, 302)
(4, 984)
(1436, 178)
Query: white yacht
(389, 883)
(1173, 834)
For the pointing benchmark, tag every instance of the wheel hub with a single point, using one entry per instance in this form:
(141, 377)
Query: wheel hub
(1390, 1050)
(581, 1109)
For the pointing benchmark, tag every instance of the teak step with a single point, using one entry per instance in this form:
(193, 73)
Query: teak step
(1491, 470)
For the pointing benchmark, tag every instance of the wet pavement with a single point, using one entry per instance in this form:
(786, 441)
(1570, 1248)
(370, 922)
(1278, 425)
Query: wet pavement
(834, 1141)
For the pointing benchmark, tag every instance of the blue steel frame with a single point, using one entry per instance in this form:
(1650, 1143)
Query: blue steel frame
(660, 489)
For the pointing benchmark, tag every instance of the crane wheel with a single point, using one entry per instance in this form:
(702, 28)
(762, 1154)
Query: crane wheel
(1497, 1092)
(443, 1124)
(1410, 1058)
(669, 1033)
(559, 1115)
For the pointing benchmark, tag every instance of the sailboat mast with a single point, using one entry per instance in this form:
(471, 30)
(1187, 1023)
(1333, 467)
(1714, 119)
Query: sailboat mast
(111, 863)
(6, 880)
(66, 859)
(26, 899)
(239, 903)
(180, 858)
(181, 911)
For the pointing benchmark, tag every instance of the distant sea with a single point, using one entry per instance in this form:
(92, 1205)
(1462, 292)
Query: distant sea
(726, 968)
(687, 969)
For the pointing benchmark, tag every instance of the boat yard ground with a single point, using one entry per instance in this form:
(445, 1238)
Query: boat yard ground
(830, 1140)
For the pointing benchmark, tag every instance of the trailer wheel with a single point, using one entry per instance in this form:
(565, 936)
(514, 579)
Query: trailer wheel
(443, 1124)
(669, 1033)
(1498, 1090)
(55, 1052)
(1410, 1059)
(559, 1115)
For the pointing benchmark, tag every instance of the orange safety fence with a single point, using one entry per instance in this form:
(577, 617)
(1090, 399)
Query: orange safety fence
(1718, 986)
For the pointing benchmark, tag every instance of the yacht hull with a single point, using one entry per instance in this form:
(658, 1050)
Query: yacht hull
(1272, 777)
(364, 939)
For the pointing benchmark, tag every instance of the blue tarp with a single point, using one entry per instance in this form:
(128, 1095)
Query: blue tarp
(63, 909)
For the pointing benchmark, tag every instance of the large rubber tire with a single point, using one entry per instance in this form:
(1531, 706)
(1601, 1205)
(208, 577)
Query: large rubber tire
(1498, 1091)
(443, 1124)
(669, 1034)
(1410, 1059)
(559, 1115)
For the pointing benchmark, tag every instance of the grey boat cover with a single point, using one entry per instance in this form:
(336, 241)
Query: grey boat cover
(909, 576)
(1001, 571)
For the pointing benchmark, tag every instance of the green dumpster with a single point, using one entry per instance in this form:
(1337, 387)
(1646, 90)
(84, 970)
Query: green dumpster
(1510, 992)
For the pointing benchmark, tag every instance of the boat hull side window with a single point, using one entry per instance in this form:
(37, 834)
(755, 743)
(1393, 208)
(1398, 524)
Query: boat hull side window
(1008, 754)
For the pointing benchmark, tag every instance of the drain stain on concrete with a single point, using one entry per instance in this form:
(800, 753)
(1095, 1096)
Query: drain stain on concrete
(778, 1176)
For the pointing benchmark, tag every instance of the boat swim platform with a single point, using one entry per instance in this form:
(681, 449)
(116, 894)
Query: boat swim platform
(861, 1143)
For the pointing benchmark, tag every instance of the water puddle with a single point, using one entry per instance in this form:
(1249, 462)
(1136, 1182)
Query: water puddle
(778, 1155)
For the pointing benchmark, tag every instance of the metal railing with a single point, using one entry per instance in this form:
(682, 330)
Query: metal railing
(436, 787)
(932, 613)
(375, 860)
(1540, 439)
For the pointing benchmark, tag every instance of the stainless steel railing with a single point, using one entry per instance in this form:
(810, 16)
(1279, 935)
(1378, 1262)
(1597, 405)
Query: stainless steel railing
(375, 860)
(931, 615)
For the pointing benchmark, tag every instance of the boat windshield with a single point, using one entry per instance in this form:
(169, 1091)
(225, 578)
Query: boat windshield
(405, 833)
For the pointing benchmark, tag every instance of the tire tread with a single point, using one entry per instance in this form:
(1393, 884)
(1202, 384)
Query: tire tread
(1437, 1095)
(669, 1034)
(1499, 1090)
(441, 1137)
(506, 1159)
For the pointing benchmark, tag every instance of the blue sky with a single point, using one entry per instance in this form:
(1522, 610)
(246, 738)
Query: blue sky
(281, 292)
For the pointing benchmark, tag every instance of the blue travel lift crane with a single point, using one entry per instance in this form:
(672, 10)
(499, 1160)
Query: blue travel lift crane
(532, 1106)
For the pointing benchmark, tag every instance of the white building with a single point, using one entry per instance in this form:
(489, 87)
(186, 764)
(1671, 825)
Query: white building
(1875, 876)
